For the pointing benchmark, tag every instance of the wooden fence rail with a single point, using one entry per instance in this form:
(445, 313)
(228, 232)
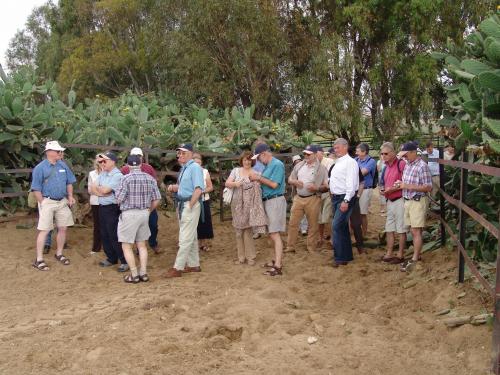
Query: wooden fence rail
(459, 241)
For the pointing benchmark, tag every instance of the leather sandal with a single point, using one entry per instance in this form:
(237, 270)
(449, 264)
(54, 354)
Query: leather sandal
(132, 279)
(274, 271)
(61, 258)
(40, 265)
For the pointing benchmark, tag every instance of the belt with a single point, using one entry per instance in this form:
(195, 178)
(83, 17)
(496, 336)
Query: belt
(415, 198)
(395, 199)
(306, 196)
(272, 197)
(55, 199)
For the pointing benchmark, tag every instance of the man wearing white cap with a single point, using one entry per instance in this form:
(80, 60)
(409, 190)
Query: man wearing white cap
(308, 177)
(153, 216)
(52, 184)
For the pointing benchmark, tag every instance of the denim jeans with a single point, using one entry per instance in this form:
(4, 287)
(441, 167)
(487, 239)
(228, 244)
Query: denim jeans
(153, 227)
(342, 246)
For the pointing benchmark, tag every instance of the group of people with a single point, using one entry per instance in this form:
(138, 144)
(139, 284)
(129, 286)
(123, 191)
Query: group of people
(331, 195)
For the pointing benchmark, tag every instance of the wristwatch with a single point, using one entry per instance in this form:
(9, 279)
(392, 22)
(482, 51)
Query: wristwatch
(346, 201)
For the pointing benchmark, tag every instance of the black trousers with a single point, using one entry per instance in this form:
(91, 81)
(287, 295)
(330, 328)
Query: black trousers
(96, 243)
(108, 220)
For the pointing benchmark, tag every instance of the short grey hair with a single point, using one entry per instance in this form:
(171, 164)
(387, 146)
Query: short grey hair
(341, 141)
(388, 145)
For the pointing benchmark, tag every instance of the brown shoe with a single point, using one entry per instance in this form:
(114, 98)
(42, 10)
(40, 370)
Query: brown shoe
(191, 269)
(172, 272)
(396, 260)
(337, 264)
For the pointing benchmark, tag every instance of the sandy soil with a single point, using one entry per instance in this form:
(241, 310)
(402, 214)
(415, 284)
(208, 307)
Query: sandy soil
(231, 319)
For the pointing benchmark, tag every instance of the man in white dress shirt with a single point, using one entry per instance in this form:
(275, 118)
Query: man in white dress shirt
(344, 184)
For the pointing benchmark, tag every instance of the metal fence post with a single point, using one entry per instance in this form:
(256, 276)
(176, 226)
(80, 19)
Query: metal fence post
(442, 201)
(495, 347)
(462, 229)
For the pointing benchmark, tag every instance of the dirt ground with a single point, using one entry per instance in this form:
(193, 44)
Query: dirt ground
(229, 319)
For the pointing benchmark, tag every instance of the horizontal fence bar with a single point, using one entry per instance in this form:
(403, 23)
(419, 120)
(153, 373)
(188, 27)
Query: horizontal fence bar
(485, 169)
(486, 285)
(473, 214)
(12, 171)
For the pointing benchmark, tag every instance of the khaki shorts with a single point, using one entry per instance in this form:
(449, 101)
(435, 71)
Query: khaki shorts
(325, 212)
(364, 201)
(276, 214)
(395, 221)
(49, 210)
(416, 212)
(133, 226)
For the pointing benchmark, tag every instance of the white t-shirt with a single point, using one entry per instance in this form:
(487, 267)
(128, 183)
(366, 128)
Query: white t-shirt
(206, 176)
(433, 166)
(306, 174)
(93, 176)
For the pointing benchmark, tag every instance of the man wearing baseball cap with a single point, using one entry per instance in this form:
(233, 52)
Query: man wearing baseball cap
(272, 182)
(309, 179)
(137, 196)
(52, 184)
(368, 167)
(188, 190)
(416, 183)
(109, 211)
(153, 216)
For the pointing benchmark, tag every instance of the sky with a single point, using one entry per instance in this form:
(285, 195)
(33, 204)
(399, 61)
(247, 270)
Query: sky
(14, 16)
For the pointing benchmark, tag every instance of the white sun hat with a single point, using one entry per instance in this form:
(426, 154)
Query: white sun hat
(54, 146)
(136, 151)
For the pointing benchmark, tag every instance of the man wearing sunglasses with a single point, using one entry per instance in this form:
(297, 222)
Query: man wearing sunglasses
(308, 178)
(109, 211)
(52, 184)
(394, 223)
(416, 183)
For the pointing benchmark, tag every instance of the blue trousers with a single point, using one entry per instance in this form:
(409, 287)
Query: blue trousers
(342, 246)
(153, 227)
(108, 221)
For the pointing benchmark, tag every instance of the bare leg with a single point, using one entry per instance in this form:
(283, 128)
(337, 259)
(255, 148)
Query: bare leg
(129, 257)
(143, 257)
(40, 243)
(402, 244)
(61, 239)
(389, 236)
(417, 242)
(278, 248)
(364, 224)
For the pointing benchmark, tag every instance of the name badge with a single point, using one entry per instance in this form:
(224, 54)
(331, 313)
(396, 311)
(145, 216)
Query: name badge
(62, 170)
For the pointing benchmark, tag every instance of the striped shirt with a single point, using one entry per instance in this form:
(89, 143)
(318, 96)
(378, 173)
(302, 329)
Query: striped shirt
(416, 173)
(137, 190)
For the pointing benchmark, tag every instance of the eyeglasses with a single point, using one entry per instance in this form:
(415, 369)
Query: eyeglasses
(102, 161)
(384, 153)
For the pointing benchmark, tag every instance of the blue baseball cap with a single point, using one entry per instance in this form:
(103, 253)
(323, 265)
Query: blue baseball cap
(261, 147)
(310, 149)
(185, 147)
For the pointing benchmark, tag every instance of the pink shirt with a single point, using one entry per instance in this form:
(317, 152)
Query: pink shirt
(146, 168)
(391, 175)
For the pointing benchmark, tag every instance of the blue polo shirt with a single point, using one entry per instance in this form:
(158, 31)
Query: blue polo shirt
(190, 178)
(274, 171)
(52, 179)
(370, 164)
(110, 179)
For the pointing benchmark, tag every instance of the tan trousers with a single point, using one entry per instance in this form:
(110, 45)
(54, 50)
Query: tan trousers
(435, 186)
(188, 253)
(245, 244)
(310, 207)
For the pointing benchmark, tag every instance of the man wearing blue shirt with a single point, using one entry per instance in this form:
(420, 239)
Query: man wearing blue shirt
(272, 181)
(109, 211)
(52, 185)
(188, 190)
(368, 166)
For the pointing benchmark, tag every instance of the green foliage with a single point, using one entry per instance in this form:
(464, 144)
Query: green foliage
(32, 113)
(472, 106)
